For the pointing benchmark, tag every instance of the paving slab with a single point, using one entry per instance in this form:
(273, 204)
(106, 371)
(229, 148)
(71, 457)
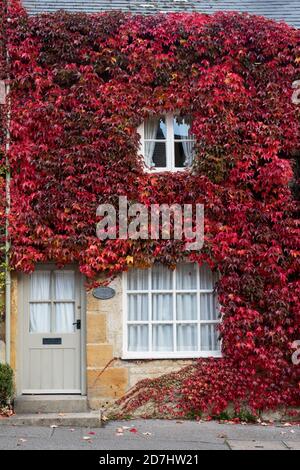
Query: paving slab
(256, 445)
(151, 435)
(292, 445)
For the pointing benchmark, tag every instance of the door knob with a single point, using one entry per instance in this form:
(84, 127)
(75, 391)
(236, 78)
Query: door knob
(78, 324)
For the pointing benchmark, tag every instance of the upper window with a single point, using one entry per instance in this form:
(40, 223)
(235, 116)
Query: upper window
(167, 142)
(171, 314)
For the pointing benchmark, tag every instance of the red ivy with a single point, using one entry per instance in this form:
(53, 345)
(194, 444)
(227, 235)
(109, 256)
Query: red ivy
(3, 133)
(81, 84)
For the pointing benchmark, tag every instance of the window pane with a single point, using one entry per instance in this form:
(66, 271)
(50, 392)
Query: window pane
(186, 276)
(186, 306)
(209, 338)
(206, 277)
(187, 338)
(40, 285)
(138, 338)
(184, 153)
(182, 128)
(155, 154)
(137, 279)
(64, 317)
(179, 155)
(64, 285)
(208, 309)
(155, 128)
(138, 307)
(40, 318)
(162, 277)
(162, 307)
(162, 338)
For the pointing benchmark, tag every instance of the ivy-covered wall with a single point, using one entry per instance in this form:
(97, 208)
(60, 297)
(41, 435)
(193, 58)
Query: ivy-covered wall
(3, 129)
(81, 85)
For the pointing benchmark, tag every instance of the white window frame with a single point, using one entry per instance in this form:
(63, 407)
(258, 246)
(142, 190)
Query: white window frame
(170, 146)
(166, 354)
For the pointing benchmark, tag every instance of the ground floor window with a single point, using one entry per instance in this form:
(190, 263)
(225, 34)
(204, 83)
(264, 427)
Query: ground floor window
(171, 313)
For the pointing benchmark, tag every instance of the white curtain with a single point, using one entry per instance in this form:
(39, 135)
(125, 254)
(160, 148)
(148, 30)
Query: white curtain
(206, 277)
(186, 276)
(162, 307)
(150, 132)
(188, 149)
(162, 277)
(64, 311)
(209, 338)
(162, 337)
(162, 280)
(186, 306)
(208, 309)
(138, 307)
(40, 313)
(187, 337)
(137, 279)
(138, 338)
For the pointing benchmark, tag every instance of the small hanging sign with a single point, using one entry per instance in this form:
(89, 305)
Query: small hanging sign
(2, 92)
(104, 293)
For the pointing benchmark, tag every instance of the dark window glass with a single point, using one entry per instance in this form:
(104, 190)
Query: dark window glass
(159, 153)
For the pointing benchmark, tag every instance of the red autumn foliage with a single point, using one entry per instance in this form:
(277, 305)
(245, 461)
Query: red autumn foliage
(81, 84)
(3, 131)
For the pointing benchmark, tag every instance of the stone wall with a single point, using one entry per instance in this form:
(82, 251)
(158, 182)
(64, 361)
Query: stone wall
(108, 376)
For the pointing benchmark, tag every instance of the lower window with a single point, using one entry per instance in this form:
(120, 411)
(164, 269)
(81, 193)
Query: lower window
(171, 313)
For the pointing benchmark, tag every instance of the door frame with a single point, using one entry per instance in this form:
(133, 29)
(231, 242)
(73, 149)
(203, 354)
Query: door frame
(20, 327)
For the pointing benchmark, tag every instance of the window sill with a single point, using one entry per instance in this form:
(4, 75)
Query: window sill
(156, 171)
(166, 355)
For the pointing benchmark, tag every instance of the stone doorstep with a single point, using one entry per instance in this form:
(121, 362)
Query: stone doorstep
(91, 419)
(32, 404)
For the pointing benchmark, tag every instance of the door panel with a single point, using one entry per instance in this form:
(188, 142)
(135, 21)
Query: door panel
(51, 346)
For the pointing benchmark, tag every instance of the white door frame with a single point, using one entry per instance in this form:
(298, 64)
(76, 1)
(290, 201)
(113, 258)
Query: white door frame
(20, 328)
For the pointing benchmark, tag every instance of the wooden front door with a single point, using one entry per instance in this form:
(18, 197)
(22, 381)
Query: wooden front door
(51, 336)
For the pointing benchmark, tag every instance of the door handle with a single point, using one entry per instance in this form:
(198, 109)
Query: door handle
(78, 324)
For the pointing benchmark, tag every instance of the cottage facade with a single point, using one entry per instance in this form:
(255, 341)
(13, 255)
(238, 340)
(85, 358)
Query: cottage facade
(98, 344)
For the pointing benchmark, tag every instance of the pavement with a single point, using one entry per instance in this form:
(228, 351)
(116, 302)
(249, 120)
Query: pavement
(153, 435)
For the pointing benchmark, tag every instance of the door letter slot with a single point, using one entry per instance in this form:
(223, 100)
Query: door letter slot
(51, 340)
